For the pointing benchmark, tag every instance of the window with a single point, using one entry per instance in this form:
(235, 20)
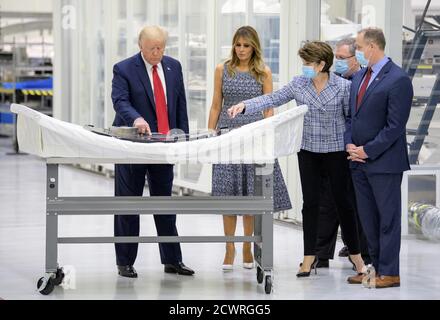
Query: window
(428, 68)
(264, 16)
(341, 19)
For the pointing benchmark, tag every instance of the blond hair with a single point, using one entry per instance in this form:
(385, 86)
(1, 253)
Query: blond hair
(153, 33)
(256, 63)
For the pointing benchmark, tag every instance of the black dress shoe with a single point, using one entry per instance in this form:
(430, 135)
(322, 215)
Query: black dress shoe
(179, 268)
(322, 263)
(344, 252)
(127, 271)
(354, 266)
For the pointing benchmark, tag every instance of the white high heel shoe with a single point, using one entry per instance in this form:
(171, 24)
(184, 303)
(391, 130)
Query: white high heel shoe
(248, 265)
(229, 267)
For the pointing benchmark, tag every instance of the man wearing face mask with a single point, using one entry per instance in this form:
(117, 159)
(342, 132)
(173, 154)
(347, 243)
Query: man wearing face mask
(346, 67)
(346, 64)
(375, 138)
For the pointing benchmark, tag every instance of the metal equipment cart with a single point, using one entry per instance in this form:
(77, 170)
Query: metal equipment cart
(260, 205)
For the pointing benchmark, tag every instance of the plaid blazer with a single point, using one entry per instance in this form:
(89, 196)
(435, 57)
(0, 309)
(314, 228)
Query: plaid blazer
(324, 122)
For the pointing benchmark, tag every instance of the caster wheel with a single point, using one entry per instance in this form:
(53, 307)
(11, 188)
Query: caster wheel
(59, 277)
(46, 290)
(268, 285)
(260, 275)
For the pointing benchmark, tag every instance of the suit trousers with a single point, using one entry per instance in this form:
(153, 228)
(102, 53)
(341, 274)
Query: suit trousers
(379, 204)
(130, 181)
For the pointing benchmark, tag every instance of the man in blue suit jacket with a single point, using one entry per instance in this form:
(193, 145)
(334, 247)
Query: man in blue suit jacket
(380, 104)
(148, 93)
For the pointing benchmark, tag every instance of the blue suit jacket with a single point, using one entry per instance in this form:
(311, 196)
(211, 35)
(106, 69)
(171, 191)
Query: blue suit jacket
(133, 96)
(380, 122)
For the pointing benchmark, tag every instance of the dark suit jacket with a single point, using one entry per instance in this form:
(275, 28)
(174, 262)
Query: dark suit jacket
(133, 97)
(380, 122)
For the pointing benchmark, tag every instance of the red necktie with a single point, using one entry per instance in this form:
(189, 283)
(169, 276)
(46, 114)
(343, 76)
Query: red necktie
(363, 88)
(161, 105)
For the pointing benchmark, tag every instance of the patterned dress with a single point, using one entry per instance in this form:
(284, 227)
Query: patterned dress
(238, 179)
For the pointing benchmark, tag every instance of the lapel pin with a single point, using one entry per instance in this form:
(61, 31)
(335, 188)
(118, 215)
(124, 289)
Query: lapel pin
(168, 69)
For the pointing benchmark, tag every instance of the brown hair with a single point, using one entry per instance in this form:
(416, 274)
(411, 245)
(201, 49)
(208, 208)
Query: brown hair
(317, 51)
(374, 35)
(256, 64)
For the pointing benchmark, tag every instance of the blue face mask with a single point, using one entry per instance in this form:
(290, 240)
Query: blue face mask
(360, 57)
(309, 72)
(341, 66)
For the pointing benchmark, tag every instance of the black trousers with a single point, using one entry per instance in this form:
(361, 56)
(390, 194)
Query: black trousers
(130, 181)
(328, 223)
(335, 165)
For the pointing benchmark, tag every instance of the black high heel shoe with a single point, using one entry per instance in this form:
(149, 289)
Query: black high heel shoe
(354, 266)
(307, 273)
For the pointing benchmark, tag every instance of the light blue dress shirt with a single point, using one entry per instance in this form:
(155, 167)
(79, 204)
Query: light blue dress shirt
(376, 68)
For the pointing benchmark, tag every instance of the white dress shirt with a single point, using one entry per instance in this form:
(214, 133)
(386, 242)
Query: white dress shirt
(149, 68)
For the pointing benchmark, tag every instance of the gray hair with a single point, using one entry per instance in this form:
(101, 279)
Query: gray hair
(350, 42)
(374, 35)
(153, 33)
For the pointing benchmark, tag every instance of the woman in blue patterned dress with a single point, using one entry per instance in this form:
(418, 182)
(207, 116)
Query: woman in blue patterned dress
(243, 76)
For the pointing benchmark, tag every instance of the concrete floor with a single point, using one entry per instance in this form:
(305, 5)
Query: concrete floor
(92, 270)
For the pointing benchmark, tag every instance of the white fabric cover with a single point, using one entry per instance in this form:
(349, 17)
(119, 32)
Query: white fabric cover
(258, 142)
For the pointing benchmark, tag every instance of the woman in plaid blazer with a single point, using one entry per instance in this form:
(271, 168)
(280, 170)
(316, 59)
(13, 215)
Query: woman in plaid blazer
(327, 97)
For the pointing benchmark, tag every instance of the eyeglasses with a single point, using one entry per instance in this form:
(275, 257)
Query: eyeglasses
(344, 58)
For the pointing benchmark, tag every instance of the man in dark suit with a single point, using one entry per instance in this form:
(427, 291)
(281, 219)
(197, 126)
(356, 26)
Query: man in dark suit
(148, 93)
(380, 104)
